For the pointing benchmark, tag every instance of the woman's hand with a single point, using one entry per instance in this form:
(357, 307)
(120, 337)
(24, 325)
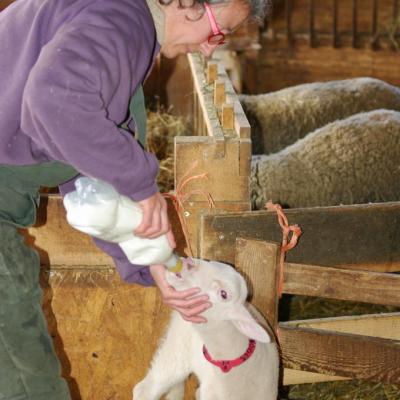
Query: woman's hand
(155, 220)
(185, 302)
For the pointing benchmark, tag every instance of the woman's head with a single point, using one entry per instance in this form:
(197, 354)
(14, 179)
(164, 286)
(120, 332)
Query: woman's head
(188, 26)
(258, 8)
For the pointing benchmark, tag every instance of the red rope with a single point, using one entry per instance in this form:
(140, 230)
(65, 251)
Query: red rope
(286, 243)
(181, 197)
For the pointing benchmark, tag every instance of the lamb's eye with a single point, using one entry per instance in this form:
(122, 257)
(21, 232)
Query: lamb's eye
(223, 294)
(178, 275)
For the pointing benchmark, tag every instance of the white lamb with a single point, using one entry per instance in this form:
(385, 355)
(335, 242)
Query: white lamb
(211, 350)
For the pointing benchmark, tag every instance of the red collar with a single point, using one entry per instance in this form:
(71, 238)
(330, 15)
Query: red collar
(227, 365)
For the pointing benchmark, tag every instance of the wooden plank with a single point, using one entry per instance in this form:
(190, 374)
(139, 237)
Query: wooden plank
(300, 64)
(385, 326)
(219, 92)
(378, 325)
(374, 25)
(212, 72)
(61, 246)
(58, 244)
(288, 18)
(347, 355)
(258, 261)
(297, 377)
(228, 117)
(332, 236)
(335, 32)
(104, 330)
(205, 96)
(312, 32)
(362, 286)
(200, 155)
(354, 27)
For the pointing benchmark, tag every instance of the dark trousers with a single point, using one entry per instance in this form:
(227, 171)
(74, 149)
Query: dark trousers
(29, 368)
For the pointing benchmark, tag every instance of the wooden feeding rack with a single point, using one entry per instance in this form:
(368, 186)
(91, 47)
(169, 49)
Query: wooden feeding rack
(346, 253)
(220, 147)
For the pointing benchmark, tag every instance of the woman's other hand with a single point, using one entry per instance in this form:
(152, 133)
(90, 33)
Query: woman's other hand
(187, 302)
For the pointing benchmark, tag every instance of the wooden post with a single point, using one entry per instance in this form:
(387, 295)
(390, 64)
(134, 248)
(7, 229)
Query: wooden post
(212, 72)
(312, 34)
(257, 261)
(228, 116)
(374, 29)
(219, 92)
(335, 24)
(354, 23)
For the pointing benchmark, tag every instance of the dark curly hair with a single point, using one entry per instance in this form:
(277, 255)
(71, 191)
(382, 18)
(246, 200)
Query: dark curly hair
(259, 9)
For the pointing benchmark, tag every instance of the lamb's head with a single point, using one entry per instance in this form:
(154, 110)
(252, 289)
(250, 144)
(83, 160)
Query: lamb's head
(227, 291)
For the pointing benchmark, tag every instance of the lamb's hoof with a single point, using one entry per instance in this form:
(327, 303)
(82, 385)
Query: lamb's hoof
(177, 392)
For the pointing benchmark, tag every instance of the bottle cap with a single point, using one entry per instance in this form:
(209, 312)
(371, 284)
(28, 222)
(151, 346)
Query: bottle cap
(174, 263)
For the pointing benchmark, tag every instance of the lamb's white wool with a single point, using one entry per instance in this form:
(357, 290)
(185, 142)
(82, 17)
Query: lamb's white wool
(226, 337)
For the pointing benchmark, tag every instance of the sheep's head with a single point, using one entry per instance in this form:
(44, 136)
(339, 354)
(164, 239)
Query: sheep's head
(226, 289)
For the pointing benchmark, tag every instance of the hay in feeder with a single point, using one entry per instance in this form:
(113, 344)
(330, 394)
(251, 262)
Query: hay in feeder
(162, 127)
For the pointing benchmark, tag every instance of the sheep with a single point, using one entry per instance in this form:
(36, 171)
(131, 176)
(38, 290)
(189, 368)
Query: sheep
(225, 336)
(356, 160)
(280, 118)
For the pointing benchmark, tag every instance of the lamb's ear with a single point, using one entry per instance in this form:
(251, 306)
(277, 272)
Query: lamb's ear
(246, 324)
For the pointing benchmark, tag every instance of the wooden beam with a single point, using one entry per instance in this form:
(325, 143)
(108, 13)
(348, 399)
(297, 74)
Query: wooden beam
(362, 286)
(385, 326)
(62, 247)
(332, 236)
(343, 354)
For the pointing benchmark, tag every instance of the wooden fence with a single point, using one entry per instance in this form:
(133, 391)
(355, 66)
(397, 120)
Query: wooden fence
(338, 257)
(340, 22)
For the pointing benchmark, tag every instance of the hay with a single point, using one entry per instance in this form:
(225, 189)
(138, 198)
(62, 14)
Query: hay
(162, 127)
(348, 390)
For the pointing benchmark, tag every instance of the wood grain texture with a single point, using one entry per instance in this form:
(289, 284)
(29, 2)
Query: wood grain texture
(60, 245)
(257, 261)
(342, 354)
(332, 236)
(386, 326)
(362, 286)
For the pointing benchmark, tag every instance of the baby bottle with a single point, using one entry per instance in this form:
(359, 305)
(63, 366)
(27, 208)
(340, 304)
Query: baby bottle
(97, 209)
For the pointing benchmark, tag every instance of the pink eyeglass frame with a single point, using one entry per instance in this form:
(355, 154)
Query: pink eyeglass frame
(217, 36)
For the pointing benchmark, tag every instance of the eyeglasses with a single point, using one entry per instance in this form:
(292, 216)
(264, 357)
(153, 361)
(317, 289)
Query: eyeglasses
(217, 36)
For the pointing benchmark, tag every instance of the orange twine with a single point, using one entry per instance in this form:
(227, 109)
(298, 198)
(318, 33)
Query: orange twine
(181, 197)
(286, 243)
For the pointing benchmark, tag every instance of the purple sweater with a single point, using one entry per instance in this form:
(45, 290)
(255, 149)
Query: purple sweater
(68, 69)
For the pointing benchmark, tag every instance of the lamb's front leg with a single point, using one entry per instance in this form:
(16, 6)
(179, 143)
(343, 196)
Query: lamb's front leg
(153, 387)
(171, 364)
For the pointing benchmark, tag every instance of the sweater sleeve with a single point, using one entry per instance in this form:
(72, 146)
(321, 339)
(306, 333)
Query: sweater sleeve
(129, 272)
(84, 75)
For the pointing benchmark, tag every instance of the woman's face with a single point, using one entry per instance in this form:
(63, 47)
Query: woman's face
(185, 32)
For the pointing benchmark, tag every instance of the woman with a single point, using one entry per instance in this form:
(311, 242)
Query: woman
(68, 69)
